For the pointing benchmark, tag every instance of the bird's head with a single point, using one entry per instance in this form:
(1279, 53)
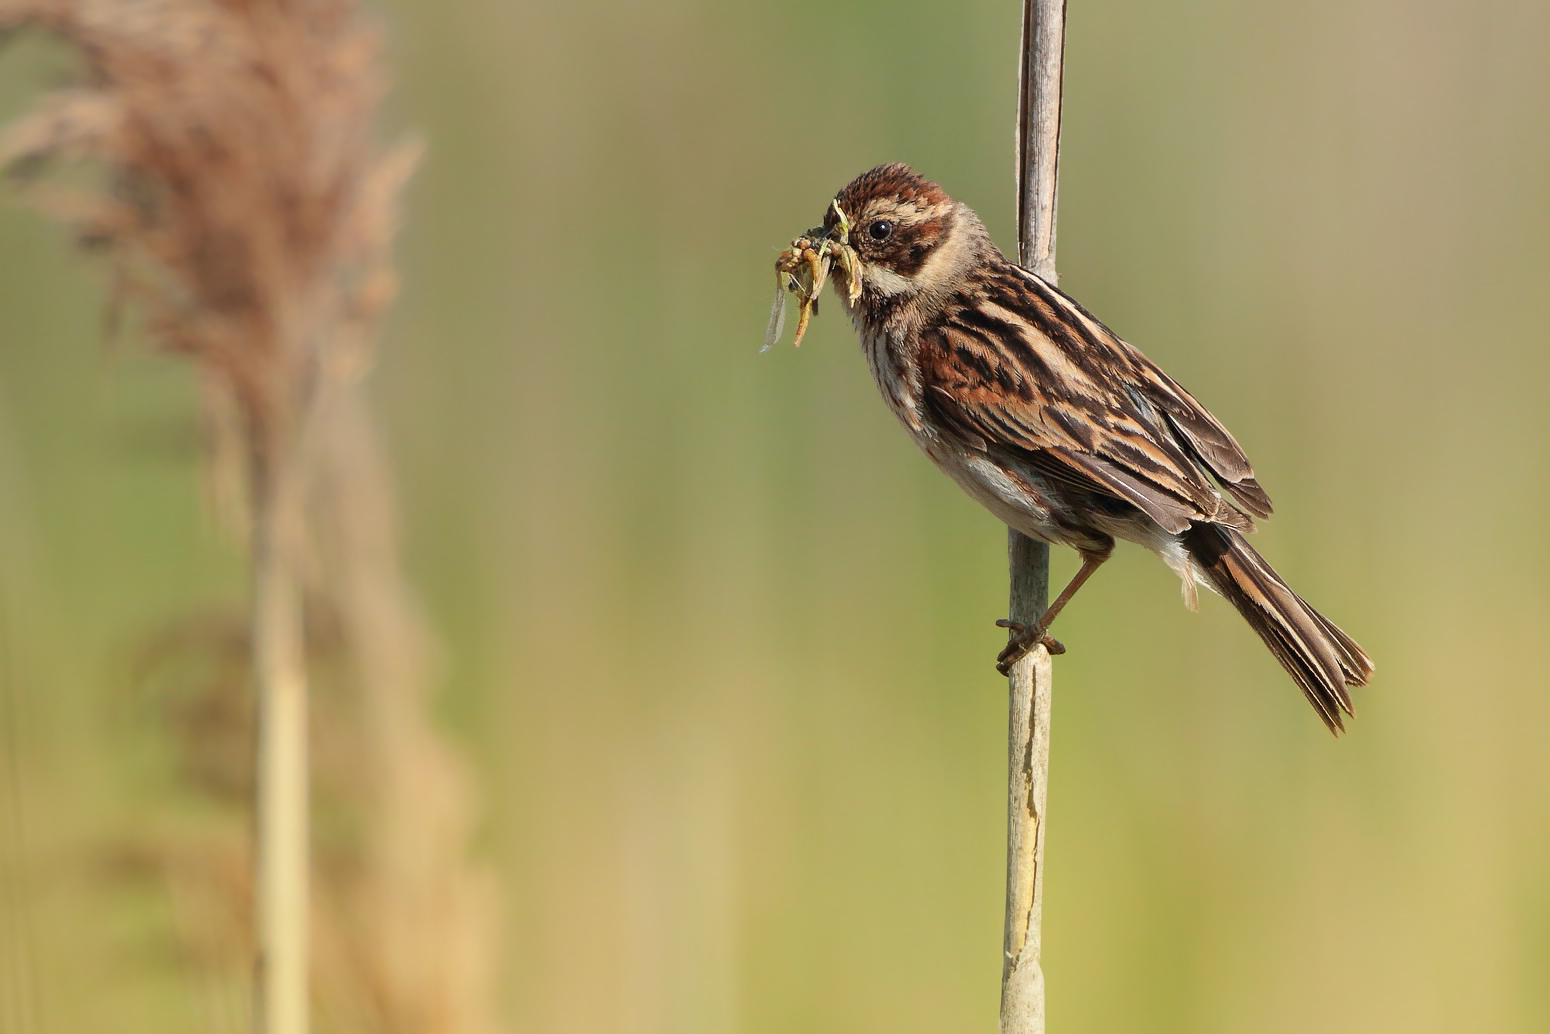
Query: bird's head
(910, 238)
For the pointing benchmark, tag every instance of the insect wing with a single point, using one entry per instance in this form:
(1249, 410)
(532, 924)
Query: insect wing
(777, 317)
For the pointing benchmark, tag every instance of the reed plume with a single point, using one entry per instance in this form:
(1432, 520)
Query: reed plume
(221, 154)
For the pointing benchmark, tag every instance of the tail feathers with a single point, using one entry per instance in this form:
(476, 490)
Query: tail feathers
(1321, 659)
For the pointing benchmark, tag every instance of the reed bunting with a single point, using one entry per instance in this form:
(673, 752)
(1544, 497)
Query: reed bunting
(1050, 421)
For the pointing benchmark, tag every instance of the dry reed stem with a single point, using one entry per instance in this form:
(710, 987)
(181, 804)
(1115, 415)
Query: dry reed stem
(282, 813)
(410, 923)
(1030, 684)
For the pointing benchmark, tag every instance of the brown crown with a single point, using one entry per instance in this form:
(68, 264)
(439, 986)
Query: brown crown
(891, 181)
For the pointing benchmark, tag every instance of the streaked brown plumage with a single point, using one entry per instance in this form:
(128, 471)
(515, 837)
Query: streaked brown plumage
(1058, 427)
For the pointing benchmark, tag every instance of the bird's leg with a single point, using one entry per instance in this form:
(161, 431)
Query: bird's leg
(1026, 637)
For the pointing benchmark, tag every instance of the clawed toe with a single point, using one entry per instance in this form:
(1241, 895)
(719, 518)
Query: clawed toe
(1024, 639)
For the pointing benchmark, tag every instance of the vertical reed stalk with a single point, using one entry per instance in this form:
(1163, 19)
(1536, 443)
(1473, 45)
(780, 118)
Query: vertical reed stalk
(1038, 146)
(281, 784)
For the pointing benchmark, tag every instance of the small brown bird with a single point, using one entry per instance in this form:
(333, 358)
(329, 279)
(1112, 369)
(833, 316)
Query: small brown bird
(1050, 421)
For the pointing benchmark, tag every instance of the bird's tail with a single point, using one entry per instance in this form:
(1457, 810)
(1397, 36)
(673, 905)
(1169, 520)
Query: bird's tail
(1321, 659)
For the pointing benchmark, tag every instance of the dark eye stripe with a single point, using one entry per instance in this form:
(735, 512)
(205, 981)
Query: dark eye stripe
(910, 246)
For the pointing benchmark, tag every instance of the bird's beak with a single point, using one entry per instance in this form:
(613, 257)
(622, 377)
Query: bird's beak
(838, 233)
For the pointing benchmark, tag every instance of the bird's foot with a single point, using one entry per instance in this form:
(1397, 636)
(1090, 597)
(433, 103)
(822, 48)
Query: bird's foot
(1024, 639)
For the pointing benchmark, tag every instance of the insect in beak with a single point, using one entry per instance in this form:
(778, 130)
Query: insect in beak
(803, 268)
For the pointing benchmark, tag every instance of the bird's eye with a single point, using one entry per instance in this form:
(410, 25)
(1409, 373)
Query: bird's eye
(880, 230)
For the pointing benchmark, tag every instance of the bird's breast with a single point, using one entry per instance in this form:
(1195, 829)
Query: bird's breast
(896, 378)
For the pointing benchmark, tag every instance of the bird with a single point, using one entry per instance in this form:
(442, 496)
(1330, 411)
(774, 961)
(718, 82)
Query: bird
(1057, 426)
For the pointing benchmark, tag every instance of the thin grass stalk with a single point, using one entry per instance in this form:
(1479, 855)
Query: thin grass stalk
(1030, 682)
(19, 997)
(406, 924)
(281, 784)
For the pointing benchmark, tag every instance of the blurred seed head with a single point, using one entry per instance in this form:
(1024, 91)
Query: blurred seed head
(233, 178)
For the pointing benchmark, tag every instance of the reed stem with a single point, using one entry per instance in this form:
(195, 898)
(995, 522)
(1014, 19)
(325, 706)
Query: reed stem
(1030, 684)
(281, 834)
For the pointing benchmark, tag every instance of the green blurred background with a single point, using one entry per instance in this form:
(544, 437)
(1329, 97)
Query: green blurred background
(717, 641)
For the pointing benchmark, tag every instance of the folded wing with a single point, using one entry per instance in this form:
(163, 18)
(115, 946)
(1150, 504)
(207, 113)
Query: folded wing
(1026, 368)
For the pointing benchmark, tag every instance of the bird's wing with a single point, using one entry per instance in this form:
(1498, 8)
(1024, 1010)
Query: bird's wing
(1023, 367)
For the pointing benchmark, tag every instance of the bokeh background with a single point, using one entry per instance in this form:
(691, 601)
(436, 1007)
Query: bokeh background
(714, 639)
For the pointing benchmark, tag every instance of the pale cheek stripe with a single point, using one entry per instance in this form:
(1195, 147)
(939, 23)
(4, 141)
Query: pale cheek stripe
(885, 281)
